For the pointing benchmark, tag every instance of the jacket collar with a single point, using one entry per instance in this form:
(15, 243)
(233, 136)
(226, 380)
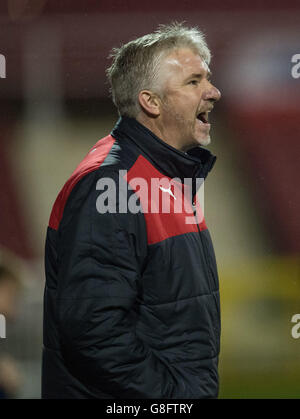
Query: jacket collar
(196, 163)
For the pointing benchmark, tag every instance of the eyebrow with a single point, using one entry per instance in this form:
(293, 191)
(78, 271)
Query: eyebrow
(198, 75)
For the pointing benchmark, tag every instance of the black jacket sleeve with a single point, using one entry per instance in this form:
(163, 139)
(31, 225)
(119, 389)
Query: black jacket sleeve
(100, 262)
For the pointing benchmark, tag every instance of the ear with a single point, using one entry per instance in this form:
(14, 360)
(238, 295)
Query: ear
(149, 102)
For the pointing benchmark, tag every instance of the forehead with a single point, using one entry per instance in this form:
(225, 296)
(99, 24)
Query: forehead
(184, 61)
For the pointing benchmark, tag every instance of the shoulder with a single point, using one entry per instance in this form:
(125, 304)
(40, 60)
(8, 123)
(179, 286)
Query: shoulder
(96, 164)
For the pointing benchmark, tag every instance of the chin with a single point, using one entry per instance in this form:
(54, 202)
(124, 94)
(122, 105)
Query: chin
(204, 141)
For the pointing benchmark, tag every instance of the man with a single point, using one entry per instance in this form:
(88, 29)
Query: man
(131, 297)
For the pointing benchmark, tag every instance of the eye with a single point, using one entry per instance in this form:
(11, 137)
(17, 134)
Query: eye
(194, 82)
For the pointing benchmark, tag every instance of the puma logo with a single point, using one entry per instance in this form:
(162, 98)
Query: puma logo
(168, 191)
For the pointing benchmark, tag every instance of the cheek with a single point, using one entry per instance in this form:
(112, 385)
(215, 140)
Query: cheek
(180, 111)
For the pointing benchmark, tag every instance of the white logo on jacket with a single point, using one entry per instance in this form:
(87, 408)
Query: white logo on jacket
(168, 191)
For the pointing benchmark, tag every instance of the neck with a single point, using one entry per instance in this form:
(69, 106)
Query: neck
(153, 124)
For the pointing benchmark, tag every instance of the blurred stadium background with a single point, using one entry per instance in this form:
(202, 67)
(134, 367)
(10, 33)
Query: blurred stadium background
(54, 106)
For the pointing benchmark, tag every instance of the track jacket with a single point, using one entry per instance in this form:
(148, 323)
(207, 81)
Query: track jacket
(131, 304)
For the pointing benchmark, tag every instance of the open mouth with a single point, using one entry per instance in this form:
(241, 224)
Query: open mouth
(203, 117)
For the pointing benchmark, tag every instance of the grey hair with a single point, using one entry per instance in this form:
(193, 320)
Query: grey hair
(136, 65)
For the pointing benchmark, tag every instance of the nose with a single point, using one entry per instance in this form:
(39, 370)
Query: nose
(212, 93)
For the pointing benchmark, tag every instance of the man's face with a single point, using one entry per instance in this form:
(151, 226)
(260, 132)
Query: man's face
(188, 97)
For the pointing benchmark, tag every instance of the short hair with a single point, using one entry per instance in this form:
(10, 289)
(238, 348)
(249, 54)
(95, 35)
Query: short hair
(136, 65)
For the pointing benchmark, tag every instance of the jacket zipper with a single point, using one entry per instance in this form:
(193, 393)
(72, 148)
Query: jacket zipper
(210, 278)
(208, 271)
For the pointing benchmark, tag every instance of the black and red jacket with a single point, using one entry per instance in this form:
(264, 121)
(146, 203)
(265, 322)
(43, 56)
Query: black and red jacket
(131, 305)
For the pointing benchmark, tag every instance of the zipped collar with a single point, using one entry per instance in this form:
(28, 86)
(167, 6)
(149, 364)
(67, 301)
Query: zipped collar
(196, 163)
